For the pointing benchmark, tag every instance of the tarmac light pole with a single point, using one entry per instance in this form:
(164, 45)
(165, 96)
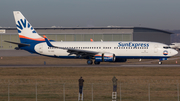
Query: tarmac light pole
(64, 91)
(178, 91)
(8, 93)
(120, 90)
(36, 90)
(92, 91)
(149, 91)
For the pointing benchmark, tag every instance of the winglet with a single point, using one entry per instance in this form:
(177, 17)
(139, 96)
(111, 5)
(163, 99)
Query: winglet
(47, 41)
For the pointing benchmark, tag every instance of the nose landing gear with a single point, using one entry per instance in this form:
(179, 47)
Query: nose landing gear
(161, 59)
(160, 63)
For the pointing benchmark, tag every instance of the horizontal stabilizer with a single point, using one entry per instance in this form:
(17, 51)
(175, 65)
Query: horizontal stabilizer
(20, 44)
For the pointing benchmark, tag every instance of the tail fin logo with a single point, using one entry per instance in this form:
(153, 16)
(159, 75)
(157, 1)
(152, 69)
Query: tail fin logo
(24, 24)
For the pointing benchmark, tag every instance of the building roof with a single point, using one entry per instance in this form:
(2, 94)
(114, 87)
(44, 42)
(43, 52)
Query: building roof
(108, 27)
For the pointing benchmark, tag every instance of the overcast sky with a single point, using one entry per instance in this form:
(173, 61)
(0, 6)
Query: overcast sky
(161, 14)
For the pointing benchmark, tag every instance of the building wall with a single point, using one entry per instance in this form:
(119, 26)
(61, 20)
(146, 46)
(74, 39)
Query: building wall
(71, 35)
(151, 35)
(85, 34)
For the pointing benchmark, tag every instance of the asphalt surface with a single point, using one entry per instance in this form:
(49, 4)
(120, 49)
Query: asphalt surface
(25, 53)
(15, 53)
(90, 66)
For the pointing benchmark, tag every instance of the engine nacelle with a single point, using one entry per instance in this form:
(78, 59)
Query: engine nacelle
(105, 57)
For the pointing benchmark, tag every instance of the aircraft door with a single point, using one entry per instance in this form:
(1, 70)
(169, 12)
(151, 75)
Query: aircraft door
(155, 48)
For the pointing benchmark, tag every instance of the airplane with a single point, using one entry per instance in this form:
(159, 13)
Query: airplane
(175, 46)
(97, 51)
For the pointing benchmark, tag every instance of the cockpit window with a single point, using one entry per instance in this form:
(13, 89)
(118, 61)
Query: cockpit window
(166, 47)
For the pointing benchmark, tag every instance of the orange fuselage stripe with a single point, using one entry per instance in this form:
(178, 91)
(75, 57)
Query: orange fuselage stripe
(37, 39)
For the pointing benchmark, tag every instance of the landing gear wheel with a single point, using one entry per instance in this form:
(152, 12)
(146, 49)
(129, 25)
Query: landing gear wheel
(89, 62)
(96, 63)
(160, 63)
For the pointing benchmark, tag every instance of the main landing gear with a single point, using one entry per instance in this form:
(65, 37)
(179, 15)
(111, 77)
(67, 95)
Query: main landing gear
(90, 62)
(96, 63)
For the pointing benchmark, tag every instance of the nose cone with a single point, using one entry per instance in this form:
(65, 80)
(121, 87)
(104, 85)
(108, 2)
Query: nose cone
(174, 52)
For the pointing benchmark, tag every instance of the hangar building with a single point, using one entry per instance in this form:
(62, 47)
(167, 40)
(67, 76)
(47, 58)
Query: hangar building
(85, 34)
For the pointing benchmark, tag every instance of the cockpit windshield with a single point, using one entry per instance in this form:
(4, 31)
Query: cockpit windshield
(166, 47)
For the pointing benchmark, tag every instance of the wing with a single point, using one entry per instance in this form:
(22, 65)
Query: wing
(77, 52)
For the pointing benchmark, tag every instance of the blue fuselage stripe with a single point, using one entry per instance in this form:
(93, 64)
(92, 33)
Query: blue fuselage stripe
(118, 57)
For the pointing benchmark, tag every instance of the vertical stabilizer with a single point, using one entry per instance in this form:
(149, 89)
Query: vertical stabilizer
(26, 32)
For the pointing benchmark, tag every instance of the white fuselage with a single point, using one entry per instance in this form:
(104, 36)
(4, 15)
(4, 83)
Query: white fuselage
(124, 49)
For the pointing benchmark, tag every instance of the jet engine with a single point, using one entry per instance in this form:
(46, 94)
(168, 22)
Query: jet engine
(105, 57)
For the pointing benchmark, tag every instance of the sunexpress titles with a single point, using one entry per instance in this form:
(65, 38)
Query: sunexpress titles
(132, 44)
